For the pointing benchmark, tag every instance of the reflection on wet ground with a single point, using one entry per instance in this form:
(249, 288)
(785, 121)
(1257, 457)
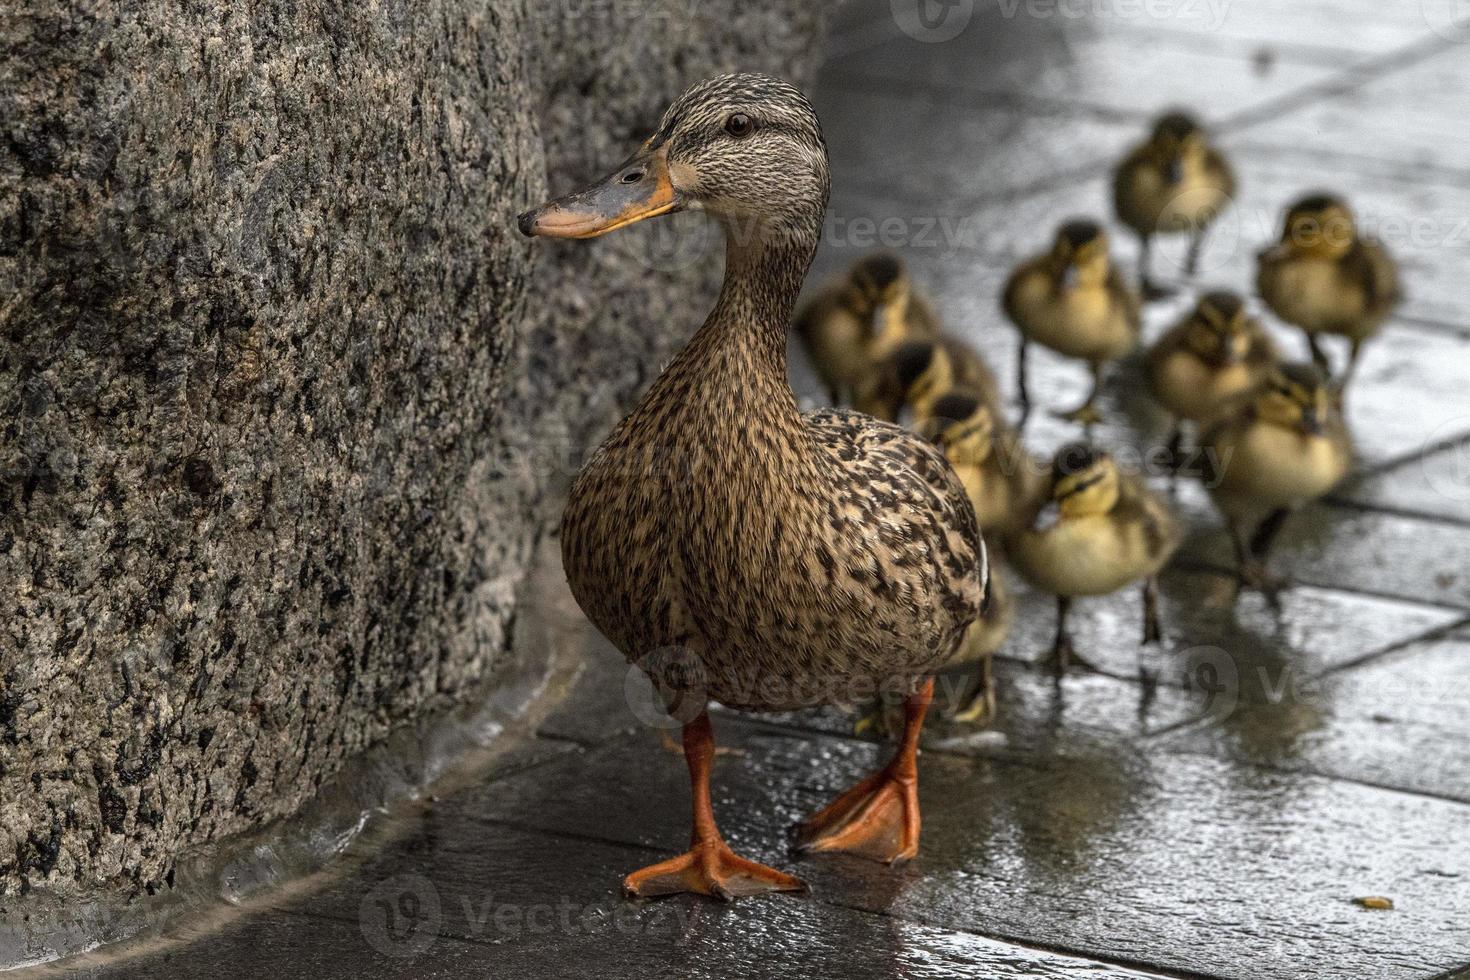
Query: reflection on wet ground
(1210, 809)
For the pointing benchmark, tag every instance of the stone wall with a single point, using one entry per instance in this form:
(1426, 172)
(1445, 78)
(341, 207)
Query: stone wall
(285, 401)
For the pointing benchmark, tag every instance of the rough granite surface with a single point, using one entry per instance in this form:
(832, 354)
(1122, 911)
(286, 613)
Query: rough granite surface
(284, 398)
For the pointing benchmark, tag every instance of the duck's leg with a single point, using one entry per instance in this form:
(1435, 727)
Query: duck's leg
(1063, 654)
(1146, 285)
(879, 817)
(1087, 414)
(709, 867)
(1319, 356)
(1024, 396)
(1152, 632)
(1196, 246)
(979, 707)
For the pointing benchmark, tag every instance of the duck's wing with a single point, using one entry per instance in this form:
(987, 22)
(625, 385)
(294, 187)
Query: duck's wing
(903, 487)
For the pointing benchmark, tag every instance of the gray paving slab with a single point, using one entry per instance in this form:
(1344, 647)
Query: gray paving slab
(1436, 484)
(1390, 722)
(1176, 861)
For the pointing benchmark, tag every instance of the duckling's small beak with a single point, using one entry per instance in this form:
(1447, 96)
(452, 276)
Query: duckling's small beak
(1048, 517)
(1274, 253)
(1174, 172)
(639, 189)
(1069, 278)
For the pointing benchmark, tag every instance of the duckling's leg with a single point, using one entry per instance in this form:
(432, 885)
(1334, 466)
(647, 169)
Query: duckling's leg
(1352, 364)
(709, 867)
(879, 817)
(1196, 246)
(1319, 356)
(1174, 453)
(1063, 654)
(979, 707)
(1250, 557)
(1087, 413)
(1152, 632)
(1024, 396)
(1146, 285)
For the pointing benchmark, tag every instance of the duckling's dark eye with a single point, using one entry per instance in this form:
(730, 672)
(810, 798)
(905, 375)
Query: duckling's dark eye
(739, 125)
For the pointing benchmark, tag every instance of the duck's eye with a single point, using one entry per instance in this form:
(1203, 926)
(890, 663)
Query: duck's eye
(739, 125)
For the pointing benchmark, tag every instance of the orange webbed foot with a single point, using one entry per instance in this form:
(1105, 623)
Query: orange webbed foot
(877, 819)
(709, 869)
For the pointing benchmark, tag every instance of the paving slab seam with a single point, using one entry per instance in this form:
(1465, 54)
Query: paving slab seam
(1413, 456)
(1198, 565)
(1361, 507)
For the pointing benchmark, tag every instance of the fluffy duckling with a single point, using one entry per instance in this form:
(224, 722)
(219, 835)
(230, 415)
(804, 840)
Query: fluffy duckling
(1095, 532)
(1174, 181)
(1326, 278)
(1215, 356)
(1073, 300)
(855, 321)
(916, 373)
(1002, 480)
(1285, 447)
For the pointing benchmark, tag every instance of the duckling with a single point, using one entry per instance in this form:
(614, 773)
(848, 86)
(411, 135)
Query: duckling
(1326, 278)
(1173, 181)
(788, 557)
(916, 373)
(1073, 300)
(1002, 479)
(1288, 445)
(1095, 532)
(1215, 356)
(855, 321)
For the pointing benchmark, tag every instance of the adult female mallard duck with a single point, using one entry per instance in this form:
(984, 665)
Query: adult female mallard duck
(1287, 446)
(850, 325)
(1002, 479)
(1326, 278)
(1215, 356)
(1073, 300)
(1095, 532)
(1174, 181)
(775, 559)
(916, 373)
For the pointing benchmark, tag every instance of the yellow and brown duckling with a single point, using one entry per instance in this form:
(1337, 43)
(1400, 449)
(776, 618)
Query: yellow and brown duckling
(1096, 531)
(1073, 300)
(1174, 181)
(853, 323)
(1003, 480)
(1214, 357)
(916, 373)
(788, 557)
(1287, 446)
(1326, 278)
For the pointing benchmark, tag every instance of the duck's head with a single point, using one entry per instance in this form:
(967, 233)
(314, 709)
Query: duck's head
(1220, 330)
(878, 280)
(745, 148)
(1299, 397)
(1079, 255)
(1318, 225)
(961, 424)
(1176, 144)
(1084, 483)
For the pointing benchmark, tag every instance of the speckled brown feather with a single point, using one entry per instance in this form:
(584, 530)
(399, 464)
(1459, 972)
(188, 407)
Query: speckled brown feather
(788, 554)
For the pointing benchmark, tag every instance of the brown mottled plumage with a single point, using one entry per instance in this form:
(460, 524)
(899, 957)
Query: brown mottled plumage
(785, 556)
(1174, 181)
(1326, 278)
(854, 322)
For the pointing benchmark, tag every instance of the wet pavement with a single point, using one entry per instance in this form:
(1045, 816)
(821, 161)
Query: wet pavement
(1210, 809)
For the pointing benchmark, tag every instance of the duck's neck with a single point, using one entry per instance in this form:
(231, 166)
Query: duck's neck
(763, 276)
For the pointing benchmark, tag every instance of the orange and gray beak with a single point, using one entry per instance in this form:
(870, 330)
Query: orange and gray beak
(639, 189)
